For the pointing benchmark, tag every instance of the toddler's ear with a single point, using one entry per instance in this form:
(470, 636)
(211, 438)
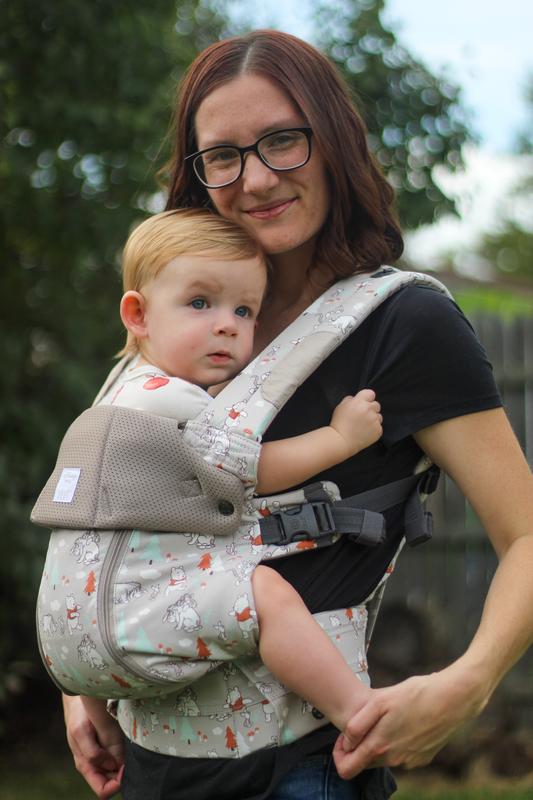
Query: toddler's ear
(133, 313)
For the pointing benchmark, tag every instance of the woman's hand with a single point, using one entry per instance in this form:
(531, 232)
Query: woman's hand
(98, 755)
(407, 724)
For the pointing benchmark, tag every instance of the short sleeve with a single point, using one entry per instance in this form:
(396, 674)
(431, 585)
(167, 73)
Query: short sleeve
(426, 364)
(149, 389)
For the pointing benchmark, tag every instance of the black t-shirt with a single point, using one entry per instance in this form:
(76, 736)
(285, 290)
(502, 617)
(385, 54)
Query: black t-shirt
(420, 355)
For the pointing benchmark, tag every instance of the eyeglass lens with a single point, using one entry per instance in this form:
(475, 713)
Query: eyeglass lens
(282, 150)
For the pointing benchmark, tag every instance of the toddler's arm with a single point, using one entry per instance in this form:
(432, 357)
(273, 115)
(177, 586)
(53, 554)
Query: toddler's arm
(356, 423)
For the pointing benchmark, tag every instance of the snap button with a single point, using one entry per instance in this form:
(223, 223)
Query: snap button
(226, 508)
(317, 714)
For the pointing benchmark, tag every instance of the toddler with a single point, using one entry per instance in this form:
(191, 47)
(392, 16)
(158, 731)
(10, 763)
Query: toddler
(194, 285)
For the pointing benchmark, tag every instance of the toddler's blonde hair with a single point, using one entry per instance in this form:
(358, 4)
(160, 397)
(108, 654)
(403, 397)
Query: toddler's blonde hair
(178, 232)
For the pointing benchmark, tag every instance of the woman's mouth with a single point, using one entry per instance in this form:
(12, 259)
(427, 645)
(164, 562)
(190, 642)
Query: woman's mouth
(271, 210)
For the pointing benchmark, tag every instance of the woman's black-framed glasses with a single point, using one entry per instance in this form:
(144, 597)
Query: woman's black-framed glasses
(280, 151)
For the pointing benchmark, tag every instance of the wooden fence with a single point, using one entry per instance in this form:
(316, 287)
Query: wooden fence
(444, 583)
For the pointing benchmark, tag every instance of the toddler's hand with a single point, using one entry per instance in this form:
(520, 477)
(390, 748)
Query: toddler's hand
(358, 421)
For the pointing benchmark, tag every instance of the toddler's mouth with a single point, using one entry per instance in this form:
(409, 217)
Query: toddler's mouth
(220, 357)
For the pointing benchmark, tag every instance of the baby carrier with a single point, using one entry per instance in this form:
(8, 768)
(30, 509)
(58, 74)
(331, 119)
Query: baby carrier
(118, 617)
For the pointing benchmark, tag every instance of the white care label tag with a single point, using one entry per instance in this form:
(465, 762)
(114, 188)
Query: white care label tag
(66, 485)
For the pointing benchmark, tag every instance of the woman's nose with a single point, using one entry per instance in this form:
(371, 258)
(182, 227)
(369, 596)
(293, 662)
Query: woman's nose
(256, 176)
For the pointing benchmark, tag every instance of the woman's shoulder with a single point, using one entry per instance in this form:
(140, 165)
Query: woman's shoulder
(419, 310)
(420, 298)
(417, 335)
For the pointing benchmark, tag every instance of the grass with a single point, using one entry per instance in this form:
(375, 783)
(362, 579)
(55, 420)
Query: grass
(494, 300)
(457, 793)
(42, 780)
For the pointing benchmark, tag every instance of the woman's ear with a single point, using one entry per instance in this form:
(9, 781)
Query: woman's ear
(133, 314)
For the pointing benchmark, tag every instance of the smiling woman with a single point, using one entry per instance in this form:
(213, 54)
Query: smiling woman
(328, 217)
(283, 210)
(218, 104)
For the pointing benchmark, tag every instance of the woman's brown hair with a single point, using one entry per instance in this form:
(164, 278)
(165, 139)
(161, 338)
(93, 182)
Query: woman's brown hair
(362, 231)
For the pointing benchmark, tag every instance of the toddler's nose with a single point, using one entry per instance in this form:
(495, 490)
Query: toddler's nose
(226, 324)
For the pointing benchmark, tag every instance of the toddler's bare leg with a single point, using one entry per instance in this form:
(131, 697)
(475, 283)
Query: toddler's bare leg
(299, 653)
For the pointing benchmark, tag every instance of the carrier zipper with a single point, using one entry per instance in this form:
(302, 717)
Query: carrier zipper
(117, 548)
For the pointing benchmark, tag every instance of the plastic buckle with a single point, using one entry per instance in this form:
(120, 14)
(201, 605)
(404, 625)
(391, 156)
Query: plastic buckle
(300, 523)
(429, 481)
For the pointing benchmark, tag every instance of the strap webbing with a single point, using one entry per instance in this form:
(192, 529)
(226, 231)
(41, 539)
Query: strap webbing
(359, 517)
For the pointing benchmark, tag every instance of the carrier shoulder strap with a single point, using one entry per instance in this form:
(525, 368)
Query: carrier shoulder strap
(252, 399)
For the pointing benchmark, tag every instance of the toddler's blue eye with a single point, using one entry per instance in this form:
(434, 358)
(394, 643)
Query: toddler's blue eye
(198, 303)
(242, 311)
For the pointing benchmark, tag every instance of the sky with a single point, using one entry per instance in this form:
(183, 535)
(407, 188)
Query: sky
(485, 46)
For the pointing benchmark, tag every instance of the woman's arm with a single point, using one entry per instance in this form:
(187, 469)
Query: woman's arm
(355, 424)
(98, 754)
(407, 724)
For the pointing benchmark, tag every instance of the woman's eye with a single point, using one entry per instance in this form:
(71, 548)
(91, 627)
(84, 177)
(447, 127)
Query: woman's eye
(243, 311)
(198, 303)
(221, 156)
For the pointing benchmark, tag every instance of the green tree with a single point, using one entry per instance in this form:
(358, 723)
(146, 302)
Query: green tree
(414, 117)
(85, 91)
(525, 137)
(509, 248)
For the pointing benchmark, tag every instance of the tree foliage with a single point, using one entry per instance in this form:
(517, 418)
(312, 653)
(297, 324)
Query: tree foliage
(510, 248)
(525, 137)
(86, 91)
(414, 117)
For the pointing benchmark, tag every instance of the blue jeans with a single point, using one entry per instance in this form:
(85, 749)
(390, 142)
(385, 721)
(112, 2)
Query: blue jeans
(315, 778)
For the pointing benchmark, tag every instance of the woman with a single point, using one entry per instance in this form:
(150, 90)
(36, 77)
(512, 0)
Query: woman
(325, 217)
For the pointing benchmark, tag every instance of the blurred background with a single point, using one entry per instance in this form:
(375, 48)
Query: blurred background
(86, 91)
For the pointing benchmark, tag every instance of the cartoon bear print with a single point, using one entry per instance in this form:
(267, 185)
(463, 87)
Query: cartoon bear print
(271, 354)
(235, 412)
(243, 571)
(186, 705)
(217, 439)
(236, 702)
(266, 704)
(86, 548)
(244, 614)
(201, 541)
(126, 592)
(88, 653)
(253, 536)
(73, 614)
(221, 630)
(48, 625)
(178, 579)
(183, 615)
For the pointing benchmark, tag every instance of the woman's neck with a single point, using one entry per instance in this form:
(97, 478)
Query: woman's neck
(293, 287)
